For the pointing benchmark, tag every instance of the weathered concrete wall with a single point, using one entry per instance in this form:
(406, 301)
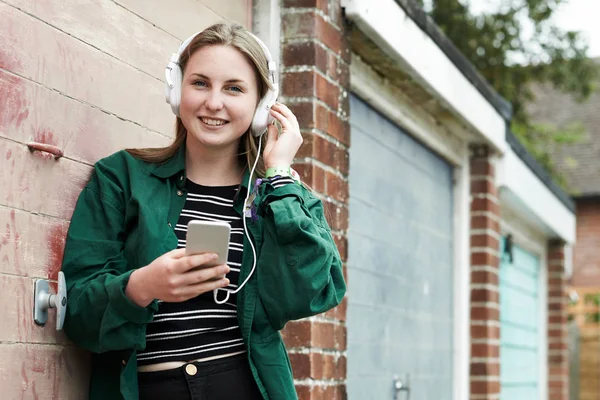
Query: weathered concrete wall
(86, 77)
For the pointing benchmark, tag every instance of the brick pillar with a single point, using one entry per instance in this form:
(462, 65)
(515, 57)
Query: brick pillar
(315, 85)
(558, 357)
(485, 244)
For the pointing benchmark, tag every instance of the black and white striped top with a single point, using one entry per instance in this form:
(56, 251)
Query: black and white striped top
(199, 328)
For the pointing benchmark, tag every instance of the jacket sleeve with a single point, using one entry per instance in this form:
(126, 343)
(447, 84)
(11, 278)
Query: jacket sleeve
(99, 316)
(299, 269)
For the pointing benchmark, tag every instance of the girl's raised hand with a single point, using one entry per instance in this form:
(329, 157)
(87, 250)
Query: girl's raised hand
(281, 148)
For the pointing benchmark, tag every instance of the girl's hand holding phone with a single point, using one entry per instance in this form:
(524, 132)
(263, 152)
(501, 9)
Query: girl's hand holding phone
(175, 277)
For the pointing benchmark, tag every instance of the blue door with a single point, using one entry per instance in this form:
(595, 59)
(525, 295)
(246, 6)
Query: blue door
(400, 263)
(520, 309)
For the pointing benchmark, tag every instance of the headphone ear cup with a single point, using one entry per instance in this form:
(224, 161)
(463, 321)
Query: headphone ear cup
(175, 91)
(262, 116)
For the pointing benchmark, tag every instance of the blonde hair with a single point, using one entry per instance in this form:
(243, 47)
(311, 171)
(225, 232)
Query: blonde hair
(238, 37)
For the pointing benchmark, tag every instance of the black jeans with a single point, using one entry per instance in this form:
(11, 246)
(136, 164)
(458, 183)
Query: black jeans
(222, 379)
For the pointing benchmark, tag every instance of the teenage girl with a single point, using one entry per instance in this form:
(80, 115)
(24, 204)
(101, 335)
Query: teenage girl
(165, 325)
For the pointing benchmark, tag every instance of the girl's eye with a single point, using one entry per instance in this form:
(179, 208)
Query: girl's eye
(235, 89)
(199, 83)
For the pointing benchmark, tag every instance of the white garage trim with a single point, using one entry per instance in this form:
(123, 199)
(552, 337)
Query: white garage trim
(529, 238)
(388, 25)
(266, 24)
(390, 102)
(528, 196)
(462, 279)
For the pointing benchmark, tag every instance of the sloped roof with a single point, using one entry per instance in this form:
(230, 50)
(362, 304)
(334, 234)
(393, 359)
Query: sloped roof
(579, 162)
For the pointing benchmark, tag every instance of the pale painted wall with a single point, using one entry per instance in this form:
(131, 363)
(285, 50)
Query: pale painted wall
(86, 77)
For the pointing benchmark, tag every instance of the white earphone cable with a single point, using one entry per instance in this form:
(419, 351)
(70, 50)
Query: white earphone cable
(249, 190)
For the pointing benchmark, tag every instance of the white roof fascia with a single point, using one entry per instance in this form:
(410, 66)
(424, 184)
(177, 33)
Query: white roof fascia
(388, 25)
(526, 195)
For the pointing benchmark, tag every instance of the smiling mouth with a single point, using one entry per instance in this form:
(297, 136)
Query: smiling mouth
(213, 122)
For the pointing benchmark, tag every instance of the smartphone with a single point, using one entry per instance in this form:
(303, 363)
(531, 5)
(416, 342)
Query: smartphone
(208, 237)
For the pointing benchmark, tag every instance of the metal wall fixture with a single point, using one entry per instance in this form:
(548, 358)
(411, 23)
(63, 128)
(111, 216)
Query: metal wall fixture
(508, 248)
(43, 300)
(401, 386)
(46, 148)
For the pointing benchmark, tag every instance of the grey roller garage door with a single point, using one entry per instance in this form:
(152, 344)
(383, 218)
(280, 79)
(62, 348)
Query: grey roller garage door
(400, 272)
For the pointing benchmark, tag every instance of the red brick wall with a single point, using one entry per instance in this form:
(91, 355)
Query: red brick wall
(586, 253)
(315, 82)
(485, 323)
(558, 360)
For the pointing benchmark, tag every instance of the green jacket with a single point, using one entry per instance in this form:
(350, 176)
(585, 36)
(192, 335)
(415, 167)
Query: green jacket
(124, 219)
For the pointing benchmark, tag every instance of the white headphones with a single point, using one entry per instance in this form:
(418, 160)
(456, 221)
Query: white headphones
(262, 117)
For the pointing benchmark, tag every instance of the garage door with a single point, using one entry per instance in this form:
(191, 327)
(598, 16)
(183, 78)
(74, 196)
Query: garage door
(520, 309)
(400, 270)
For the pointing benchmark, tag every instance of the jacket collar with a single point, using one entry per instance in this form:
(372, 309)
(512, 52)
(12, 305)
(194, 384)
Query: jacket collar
(176, 165)
(172, 166)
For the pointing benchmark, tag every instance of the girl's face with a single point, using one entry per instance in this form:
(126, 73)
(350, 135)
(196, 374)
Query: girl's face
(219, 95)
